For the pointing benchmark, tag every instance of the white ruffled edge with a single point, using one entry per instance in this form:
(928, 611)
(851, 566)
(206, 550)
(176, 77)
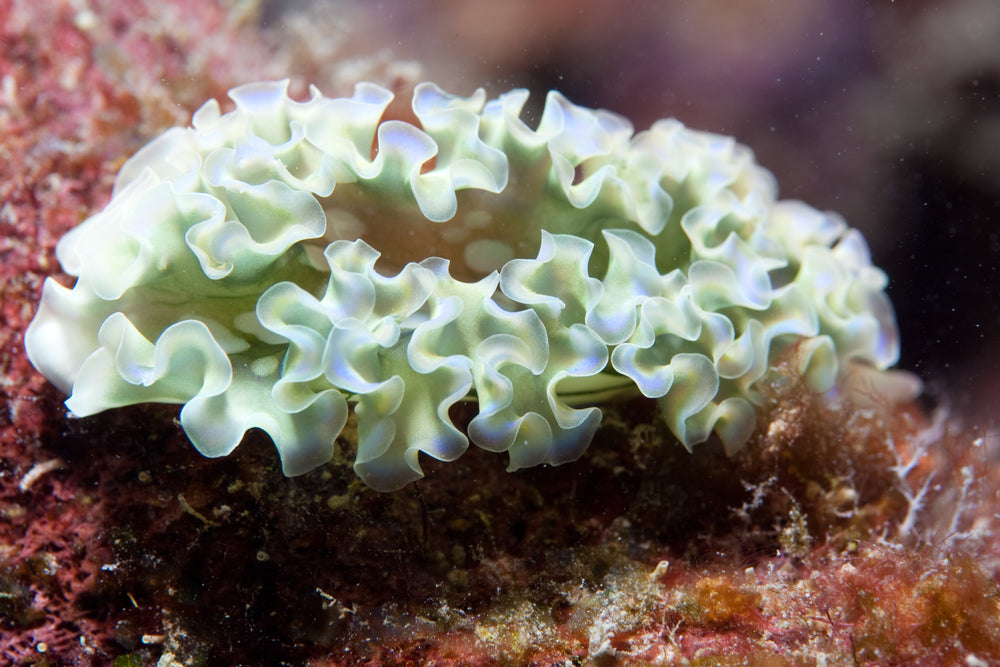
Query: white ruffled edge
(707, 280)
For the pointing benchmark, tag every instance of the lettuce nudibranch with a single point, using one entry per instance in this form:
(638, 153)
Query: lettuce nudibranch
(270, 266)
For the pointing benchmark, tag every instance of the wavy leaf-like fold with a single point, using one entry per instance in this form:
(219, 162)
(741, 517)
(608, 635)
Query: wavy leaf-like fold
(271, 266)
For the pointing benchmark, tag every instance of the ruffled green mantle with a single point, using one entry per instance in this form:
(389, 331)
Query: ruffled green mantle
(270, 265)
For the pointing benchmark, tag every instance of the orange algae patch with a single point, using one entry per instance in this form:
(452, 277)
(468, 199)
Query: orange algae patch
(720, 601)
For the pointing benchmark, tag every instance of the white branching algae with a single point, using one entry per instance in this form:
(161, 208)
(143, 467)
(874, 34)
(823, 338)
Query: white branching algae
(269, 266)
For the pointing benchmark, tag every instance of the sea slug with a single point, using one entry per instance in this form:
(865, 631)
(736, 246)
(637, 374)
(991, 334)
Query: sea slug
(270, 266)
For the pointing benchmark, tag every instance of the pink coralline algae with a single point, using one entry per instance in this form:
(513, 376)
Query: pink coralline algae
(67, 114)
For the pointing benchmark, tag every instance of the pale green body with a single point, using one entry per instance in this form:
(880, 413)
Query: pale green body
(267, 266)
